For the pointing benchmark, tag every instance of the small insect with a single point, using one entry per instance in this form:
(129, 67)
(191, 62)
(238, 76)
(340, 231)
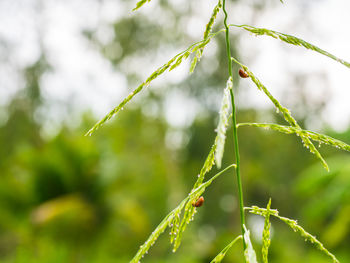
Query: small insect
(199, 202)
(242, 73)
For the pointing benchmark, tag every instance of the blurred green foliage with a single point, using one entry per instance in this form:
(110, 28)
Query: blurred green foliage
(69, 198)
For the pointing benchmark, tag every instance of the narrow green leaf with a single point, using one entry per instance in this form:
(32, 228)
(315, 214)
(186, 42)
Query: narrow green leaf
(295, 227)
(223, 252)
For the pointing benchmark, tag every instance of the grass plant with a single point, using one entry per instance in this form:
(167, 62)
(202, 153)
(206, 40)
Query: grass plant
(179, 218)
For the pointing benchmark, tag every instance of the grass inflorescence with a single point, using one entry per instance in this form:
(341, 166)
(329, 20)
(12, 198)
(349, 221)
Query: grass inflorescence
(293, 224)
(320, 138)
(291, 40)
(170, 65)
(176, 61)
(178, 219)
(172, 220)
(206, 34)
(223, 122)
(285, 112)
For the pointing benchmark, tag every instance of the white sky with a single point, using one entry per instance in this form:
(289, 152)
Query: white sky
(82, 76)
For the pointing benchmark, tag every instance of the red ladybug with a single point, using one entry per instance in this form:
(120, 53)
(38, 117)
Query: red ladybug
(242, 73)
(199, 202)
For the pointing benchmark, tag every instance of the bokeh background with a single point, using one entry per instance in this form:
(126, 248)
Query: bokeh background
(69, 198)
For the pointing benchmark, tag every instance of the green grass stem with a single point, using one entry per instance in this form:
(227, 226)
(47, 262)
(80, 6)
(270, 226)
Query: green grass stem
(234, 123)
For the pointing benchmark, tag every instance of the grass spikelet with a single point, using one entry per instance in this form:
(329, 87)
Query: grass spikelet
(172, 220)
(189, 209)
(285, 112)
(175, 222)
(187, 218)
(210, 24)
(293, 224)
(223, 122)
(206, 34)
(223, 252)
(321, 138)
(249, 252)
(266, 234)
(140, 3)
(170, 65)
(291, 40)
(194, 61)
(208, 164)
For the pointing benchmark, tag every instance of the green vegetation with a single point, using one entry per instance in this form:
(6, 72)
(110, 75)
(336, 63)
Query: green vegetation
(174, 219)
(70, 198)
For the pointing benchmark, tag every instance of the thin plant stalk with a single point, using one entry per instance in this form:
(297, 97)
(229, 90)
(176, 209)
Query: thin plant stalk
(234, 123)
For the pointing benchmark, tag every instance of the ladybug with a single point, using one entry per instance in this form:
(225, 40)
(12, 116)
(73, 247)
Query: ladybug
(242, 73)
(199, 202)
